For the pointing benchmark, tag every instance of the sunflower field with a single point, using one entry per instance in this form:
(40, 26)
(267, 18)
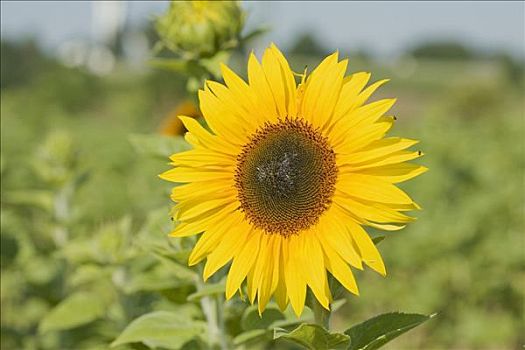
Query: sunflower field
(87, 260)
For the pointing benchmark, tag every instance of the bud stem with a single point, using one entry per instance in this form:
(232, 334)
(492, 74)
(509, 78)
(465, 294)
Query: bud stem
(321, 315)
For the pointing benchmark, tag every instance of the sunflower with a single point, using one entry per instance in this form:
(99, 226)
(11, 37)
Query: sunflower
(171, 125)
(286, 177)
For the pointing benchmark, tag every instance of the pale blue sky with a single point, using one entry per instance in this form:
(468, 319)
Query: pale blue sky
(385, 28)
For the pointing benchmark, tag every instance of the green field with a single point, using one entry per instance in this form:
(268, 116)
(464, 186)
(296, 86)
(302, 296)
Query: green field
(85, 217)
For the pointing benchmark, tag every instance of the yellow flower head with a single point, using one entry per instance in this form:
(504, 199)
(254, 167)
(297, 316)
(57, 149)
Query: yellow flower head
(287, 177)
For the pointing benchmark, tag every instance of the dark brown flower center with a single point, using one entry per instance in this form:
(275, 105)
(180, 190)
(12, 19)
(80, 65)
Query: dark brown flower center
(285, 176)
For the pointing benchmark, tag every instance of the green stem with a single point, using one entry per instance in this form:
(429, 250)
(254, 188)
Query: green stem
(62, 214)
(321, 315)
(220, 320)
(209, 308)
(213, 309)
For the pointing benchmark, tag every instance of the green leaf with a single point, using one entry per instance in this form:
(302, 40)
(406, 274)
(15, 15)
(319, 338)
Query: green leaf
(159, 277)
(251, 319)
(377, 331)
(42, 199)
(176, 260)
(88, 273)
(157, 145)
(79, 251)
(112, 240)
(76, 310)
(161, 329)
(313, 337)
(209, 289)
(169, 254)
(41, 270)
(378, 239)
(251, 335)
(109, 244)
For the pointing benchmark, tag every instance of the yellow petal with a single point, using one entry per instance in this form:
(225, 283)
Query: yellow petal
(237, 107)
(364, 117)
(371, 188)
(209, 189)
(335, 234)
(386, 227)
(191, 228)
(228, 247)
(184, 174)
(363, 97)
(220, 119)
(251, 286)
(371, 112)
(314, 95)
(314, 268)
(189, 203)
(367, 248)
(289, 79)
(391, 159)
(332, 85)
(243, 95)
(338, 268)
(242, 263)
(352, 86)
(396, 173)
(210, 238)
(192, 140)
(190, 212)
(259, 84)
(272, 70)
(260, 265)
(372, 211)
(405, 207)
(280, 292)
(206, 139)
(202, 157)
(377, 149)
(361, 137)
(295, 282)
(270, 276)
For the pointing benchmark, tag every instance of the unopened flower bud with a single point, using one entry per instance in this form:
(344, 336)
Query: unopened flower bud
(200, 28)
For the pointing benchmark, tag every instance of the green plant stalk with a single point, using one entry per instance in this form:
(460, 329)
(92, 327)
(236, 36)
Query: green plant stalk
(62, 213)
(321, 315)
(219, 299)
(210, 309)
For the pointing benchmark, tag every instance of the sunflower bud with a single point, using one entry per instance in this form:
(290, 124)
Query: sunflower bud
(200, 28)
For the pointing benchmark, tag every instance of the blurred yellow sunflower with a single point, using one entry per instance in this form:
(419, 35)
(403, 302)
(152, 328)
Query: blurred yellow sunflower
(286, 177)
(171, 125)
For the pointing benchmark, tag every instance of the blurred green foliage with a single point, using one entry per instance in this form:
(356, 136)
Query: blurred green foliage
(21, 62)
(451, 50)
(85, 261)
